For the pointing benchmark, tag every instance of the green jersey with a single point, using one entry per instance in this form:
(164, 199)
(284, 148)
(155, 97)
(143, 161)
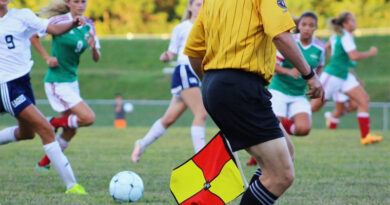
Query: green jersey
(314, 55)
(340, 63)
(67, 48)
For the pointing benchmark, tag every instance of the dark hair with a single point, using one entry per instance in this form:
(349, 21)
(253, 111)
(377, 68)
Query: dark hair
(336, 24)
(304, 15)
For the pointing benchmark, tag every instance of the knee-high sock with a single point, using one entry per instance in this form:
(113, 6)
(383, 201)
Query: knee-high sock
(63, 145)
(69, 121)
(60, 163)
(156, 131)
(7, 135)
(198, 139)
(257, 194)
(364, 123)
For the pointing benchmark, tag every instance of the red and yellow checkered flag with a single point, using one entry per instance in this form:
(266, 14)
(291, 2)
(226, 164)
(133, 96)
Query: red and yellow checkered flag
(210, 177)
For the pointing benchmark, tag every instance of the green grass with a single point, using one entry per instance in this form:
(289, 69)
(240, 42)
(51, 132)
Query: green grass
(331, 168)
(133, 69)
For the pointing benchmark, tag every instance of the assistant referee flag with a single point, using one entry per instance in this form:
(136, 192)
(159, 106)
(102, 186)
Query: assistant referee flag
(210, 177)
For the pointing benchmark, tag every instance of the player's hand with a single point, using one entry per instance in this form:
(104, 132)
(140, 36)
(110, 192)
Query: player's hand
(315, 88)
(78, 21)
(165, 57)
(91, 41)
(294, 73)
(373, 51)
(52, 62)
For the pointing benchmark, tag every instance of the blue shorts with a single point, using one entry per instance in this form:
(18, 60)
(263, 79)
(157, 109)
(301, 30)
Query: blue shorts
(16, 95)
(183, 78)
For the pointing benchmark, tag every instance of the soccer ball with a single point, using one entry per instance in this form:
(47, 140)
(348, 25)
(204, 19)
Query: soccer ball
(126, 186)
(128, 107)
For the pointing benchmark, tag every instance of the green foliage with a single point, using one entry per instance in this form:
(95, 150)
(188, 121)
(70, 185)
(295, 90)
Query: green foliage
(159, 16)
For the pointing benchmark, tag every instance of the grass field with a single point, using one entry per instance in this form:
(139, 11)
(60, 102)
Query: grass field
(331, 168)
(133, 69)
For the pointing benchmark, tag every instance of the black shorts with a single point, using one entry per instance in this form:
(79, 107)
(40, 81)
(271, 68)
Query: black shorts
(240, 105)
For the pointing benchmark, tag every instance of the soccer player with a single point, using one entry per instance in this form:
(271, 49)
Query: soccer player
(185, 89)
(61, 84)
(17, 26)
(336, 73)
(232, 47)
(288, 88)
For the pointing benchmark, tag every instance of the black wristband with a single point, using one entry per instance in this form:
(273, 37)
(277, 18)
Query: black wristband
(308, 76)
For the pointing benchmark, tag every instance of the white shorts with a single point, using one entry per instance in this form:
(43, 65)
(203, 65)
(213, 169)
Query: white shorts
(63, 96)
(348, 85)
(287, 106)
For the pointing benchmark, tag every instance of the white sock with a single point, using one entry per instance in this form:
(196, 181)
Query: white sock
(198, 139)
(63, 143)
(292, 129)
(60, 163)
(7, 135)
(72, 121)
(363, 114)
(156, 131)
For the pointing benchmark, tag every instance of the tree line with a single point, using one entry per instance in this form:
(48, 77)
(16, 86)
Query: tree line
(160, 16)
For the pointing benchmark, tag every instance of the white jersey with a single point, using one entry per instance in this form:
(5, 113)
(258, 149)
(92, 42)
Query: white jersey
(178, 41)
(17, 26)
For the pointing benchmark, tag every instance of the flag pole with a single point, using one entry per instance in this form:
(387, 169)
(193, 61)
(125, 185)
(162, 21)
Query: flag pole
(235, 155)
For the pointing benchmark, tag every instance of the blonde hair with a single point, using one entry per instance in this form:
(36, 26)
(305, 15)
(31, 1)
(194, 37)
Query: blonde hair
(336, 24)
(57, 7)
(187, 14)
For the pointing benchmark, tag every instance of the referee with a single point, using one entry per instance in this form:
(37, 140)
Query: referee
(232, 48)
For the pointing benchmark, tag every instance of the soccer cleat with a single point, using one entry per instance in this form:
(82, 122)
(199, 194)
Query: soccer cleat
(365, 141)
(328, 117)
(76, 189)
(42, 168)
(251, 162)
(137, 152)
(374, 138)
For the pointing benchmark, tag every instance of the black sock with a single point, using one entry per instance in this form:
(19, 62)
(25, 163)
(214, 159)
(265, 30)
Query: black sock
(256, 175)
(257, 194)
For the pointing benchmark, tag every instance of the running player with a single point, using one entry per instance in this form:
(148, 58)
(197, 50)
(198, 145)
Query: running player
(185, 89)
(288, 88)
(337, 72)
(17, 26)
(61, 84)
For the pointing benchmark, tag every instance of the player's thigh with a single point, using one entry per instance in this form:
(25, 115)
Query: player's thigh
(82, 110)
(31, 119)
(175, 109)
(279, 103)
(192, 97)
(273, 156)
(359, 95)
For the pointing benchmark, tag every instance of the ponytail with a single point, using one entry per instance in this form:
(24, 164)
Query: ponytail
(56, 8)
(336, 24)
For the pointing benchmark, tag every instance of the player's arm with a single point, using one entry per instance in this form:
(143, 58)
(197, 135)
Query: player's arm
(58, 29)
(51, 61)
(328, 48)
(319, 70)
(196, 64)
(92, 46)
(356, 55)
(286, 71)
(287, 46)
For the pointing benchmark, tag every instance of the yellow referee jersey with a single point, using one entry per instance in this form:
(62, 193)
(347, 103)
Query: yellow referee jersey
(238, 34)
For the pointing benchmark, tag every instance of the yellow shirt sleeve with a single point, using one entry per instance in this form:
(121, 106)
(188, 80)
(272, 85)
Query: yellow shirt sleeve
(275, 16)
(195, 46)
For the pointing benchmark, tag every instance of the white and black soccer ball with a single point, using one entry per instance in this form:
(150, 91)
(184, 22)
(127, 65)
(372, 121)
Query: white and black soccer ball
(126, 186)
(128, 107)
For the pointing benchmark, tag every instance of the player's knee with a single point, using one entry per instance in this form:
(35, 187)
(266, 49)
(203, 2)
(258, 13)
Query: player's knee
(285, 179)
(202, 116)
(88, 119)
(28, 135)
(302, 130)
